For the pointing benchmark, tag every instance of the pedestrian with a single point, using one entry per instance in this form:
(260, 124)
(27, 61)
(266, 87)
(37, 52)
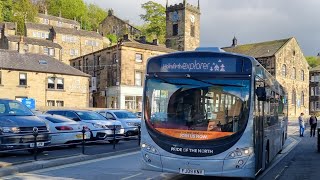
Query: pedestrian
(301, 124)
(313, 125)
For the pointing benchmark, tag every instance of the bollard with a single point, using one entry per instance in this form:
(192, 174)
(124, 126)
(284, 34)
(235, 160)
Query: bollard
(139, 135)
(83, 139)
(114, 136)
(318, 139)
(35, 147)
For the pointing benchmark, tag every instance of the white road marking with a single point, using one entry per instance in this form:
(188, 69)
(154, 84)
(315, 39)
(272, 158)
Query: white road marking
(129, 177)
(75, 164)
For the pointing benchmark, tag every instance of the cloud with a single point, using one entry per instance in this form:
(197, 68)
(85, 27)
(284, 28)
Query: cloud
(249, 20)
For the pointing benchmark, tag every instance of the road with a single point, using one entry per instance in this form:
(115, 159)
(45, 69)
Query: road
(127, 167)
(60, 152)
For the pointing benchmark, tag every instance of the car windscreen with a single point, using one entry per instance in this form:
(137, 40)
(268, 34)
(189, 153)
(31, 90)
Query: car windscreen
(14, 108)
(125, 115)
(58, 119)
(88, 115)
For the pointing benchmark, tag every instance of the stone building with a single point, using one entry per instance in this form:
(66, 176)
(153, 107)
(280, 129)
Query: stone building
(74, 42)
(285, 61)
(114, 25)
(57, 21)
(315, 90)
(48, 81)
(118, 72)
(8, 28)
(183, 26)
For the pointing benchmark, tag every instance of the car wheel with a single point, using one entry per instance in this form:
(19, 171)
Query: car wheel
(129, 133)
(115, 141)
(72, 145)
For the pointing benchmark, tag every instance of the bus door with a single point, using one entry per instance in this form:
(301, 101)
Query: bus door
(259, 133)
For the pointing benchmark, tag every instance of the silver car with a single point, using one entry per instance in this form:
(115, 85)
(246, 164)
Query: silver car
(129, 120)
(64, 130)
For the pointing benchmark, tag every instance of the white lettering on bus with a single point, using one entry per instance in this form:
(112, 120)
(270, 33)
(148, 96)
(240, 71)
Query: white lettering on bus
(186, 66)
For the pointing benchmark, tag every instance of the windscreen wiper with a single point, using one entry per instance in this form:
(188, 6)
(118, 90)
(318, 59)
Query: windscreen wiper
(164, 80)
(214, 84)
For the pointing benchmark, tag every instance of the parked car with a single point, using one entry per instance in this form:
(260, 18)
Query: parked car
(17, 123)
(64, 130)
(138, 114)
(100, 127)
(129, 120)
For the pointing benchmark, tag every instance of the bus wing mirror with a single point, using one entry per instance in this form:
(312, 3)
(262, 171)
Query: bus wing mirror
(261, 93)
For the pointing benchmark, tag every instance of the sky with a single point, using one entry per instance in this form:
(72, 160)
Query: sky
(250, 21)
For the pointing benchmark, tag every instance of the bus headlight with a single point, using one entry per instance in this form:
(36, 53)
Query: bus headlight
(243, 152)
(149, 148)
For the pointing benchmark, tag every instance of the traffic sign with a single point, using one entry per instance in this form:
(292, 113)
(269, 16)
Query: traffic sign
(29, 102)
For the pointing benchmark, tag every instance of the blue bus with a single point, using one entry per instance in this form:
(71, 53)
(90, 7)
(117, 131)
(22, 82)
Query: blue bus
(212, 113)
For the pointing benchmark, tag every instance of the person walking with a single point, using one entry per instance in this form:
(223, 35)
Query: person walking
(313, 125)
(301, 124)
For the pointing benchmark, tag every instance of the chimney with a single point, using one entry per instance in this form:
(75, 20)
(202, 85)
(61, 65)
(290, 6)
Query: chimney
(234, 42)
(155, 42)
(126, 37)
(54, 37)
(21, 45)
(110, 12)
(143, 39)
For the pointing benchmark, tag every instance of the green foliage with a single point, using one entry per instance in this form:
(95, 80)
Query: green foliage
(94, 16)
(313, 61)
(112, 38)
(6, 10)
(70, 9)
(1, 7)
(155, 18)
(23, 10)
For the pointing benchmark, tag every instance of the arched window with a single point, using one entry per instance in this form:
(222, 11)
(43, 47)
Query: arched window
(293, 100)
(302, 75)
(284, 70)
(302, 98)
(294, 73)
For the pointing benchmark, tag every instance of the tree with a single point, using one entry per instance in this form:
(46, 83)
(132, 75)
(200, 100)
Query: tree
(7, 10)
(313, 61)
(112, 38)
(23, 10)
(69, 9)
(94, 16)
(1, 7)
(155, 18)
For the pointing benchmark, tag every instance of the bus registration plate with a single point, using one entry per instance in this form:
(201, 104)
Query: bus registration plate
(191, 171)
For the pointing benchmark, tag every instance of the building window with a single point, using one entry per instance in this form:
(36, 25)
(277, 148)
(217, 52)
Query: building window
(138, 78)
(302, 75)
(45, 21)
(293, 100)
(130, 102)
(60, 83)
(284, 70)
(312, 78)
(99, 61)
(22, 79)
(55, 83)
(192, 32)
(317, 92)
(59, 24)
(49, 51)
(114, 57)
(317, 105)
(91, 43)
(69, 39)
(312, 91)
(175, 30)
(294, 73)
(51, 84)
(50, 103)
(86, 64)
(74, 52)
(138, 57)
(74, 64)
(60, 103)
(80, 65)
(302, 98)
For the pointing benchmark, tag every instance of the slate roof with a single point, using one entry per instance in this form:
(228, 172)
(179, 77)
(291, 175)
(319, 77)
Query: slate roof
(315, 69)
(34, 41)
(262, 49)
(30, 62)
(72, 31)
(55, 18)
(43, 27)
(10, 25)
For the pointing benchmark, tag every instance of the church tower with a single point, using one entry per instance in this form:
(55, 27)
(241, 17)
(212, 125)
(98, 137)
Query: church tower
(183, 26)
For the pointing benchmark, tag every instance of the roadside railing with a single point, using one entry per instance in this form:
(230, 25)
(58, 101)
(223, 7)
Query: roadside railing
(39, 144)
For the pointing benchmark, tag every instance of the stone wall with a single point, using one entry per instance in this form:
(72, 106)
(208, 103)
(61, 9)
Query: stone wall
(292, 57)
(74, 94)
